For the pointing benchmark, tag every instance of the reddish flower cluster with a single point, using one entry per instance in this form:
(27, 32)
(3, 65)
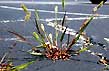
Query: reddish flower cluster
(5, 67)
(55, 53)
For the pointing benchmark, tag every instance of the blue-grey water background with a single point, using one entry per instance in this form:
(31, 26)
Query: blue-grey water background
(98, 30)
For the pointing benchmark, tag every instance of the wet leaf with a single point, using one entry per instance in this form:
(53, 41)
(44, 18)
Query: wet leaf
(22, 66)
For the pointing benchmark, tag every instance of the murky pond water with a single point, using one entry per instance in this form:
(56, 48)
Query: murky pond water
(11, 18)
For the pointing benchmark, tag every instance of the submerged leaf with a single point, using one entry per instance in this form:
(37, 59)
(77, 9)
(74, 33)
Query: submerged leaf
(22, 66)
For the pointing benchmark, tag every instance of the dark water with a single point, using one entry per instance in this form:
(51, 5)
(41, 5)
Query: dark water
(97, 29)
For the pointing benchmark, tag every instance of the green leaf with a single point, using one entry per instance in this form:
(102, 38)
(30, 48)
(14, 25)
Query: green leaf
(83, 50)
(82, 28)
(98, 6)
(28, 14)
(27, 17)
(36, 36)
(86, 48)
(25, 9)
(63, 4)
(36, 14)
(106, 67)
(63, 21)
(62, 36)
(22, 66)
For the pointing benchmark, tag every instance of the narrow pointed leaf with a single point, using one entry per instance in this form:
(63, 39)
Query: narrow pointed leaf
(56, 23)
(36, 14)
(63, 4)
(98, 6)
(50, 37)
(83, 50)
(20, 37)
(25, 9)
(37, 26)
(56, 10)
(63, 34)
(42, 27)
(63, 21)
(82, 28)
(68, 39)
(36, 36)
(22, 66)
(28, 14)
(27, 17)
